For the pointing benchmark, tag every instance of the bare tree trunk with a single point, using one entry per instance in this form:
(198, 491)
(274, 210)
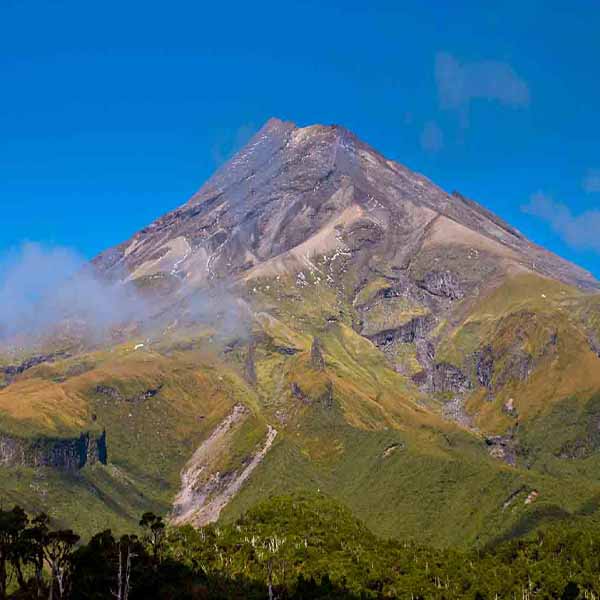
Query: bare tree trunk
(60, 579)
(124, 572)
(39, 579)
(120, 575)
(127, 575)
(51, 594)
(270, 567)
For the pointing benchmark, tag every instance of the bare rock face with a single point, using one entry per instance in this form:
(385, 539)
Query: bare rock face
(64, 454)
(294, 192)
(114, 394)
(326, 400)
(519, 366)
(425, 353)
(594, 344)
(109, 391)
(448, 378)
(484, 367)
(12, 371)
(443, 283)
(494, 368)
(503, 447)
(410, 332)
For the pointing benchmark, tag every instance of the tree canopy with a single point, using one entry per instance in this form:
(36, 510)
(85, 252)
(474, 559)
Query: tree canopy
(290, 547)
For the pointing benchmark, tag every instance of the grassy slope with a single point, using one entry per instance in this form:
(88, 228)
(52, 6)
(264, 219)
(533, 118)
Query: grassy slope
(527, 312)
(149, 441)
(438, 484)
(442, 489)
(398, 465)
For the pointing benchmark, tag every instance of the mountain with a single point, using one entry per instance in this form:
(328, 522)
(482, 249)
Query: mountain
(282, 196)
(322, 319)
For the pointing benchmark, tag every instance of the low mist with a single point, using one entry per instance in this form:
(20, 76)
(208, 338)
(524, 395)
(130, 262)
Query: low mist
(219, 308)
(43, 286)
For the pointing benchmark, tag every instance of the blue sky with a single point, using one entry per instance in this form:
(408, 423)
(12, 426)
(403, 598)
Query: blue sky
(112, 113)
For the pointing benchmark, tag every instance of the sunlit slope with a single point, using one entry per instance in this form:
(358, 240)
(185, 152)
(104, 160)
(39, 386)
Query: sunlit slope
(155, 409)
(538, 334)
(347, 422)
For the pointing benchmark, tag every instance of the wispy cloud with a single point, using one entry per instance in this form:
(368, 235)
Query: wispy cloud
(432, 137)
(458, 84)
(46, 289)
(579, 231)
(591, 182)
(42, 286)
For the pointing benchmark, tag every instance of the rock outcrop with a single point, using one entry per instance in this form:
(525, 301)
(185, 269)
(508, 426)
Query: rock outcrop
(417, 328)
(503, 447)
(448, 378)
(442, 283)
(12, 371)
(484, 367)
(115, 394)
(594, 344)
(64, 454)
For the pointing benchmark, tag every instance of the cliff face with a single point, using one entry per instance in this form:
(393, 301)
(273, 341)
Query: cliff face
(66, 454)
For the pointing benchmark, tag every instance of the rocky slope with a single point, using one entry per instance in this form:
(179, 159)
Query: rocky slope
(410, 350)
(296, 192)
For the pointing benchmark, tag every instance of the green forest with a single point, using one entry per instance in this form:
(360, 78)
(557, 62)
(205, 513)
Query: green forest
(296, 547)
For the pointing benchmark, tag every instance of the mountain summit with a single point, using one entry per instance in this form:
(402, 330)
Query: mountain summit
(292, 192)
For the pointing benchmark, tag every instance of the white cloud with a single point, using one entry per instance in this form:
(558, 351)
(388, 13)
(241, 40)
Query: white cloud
(47, 287)
(579, 231)
(42, 286)
(591, 182)
(432, 137)
(458, 84)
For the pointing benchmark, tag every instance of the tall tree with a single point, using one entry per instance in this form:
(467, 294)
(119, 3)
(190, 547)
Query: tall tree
(126, 553)
(35, 538)
(12, 526)
(58, 548)
(154, 527)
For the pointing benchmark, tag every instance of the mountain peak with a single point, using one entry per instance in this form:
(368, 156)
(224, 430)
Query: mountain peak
(275, 123)
(292, 191)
